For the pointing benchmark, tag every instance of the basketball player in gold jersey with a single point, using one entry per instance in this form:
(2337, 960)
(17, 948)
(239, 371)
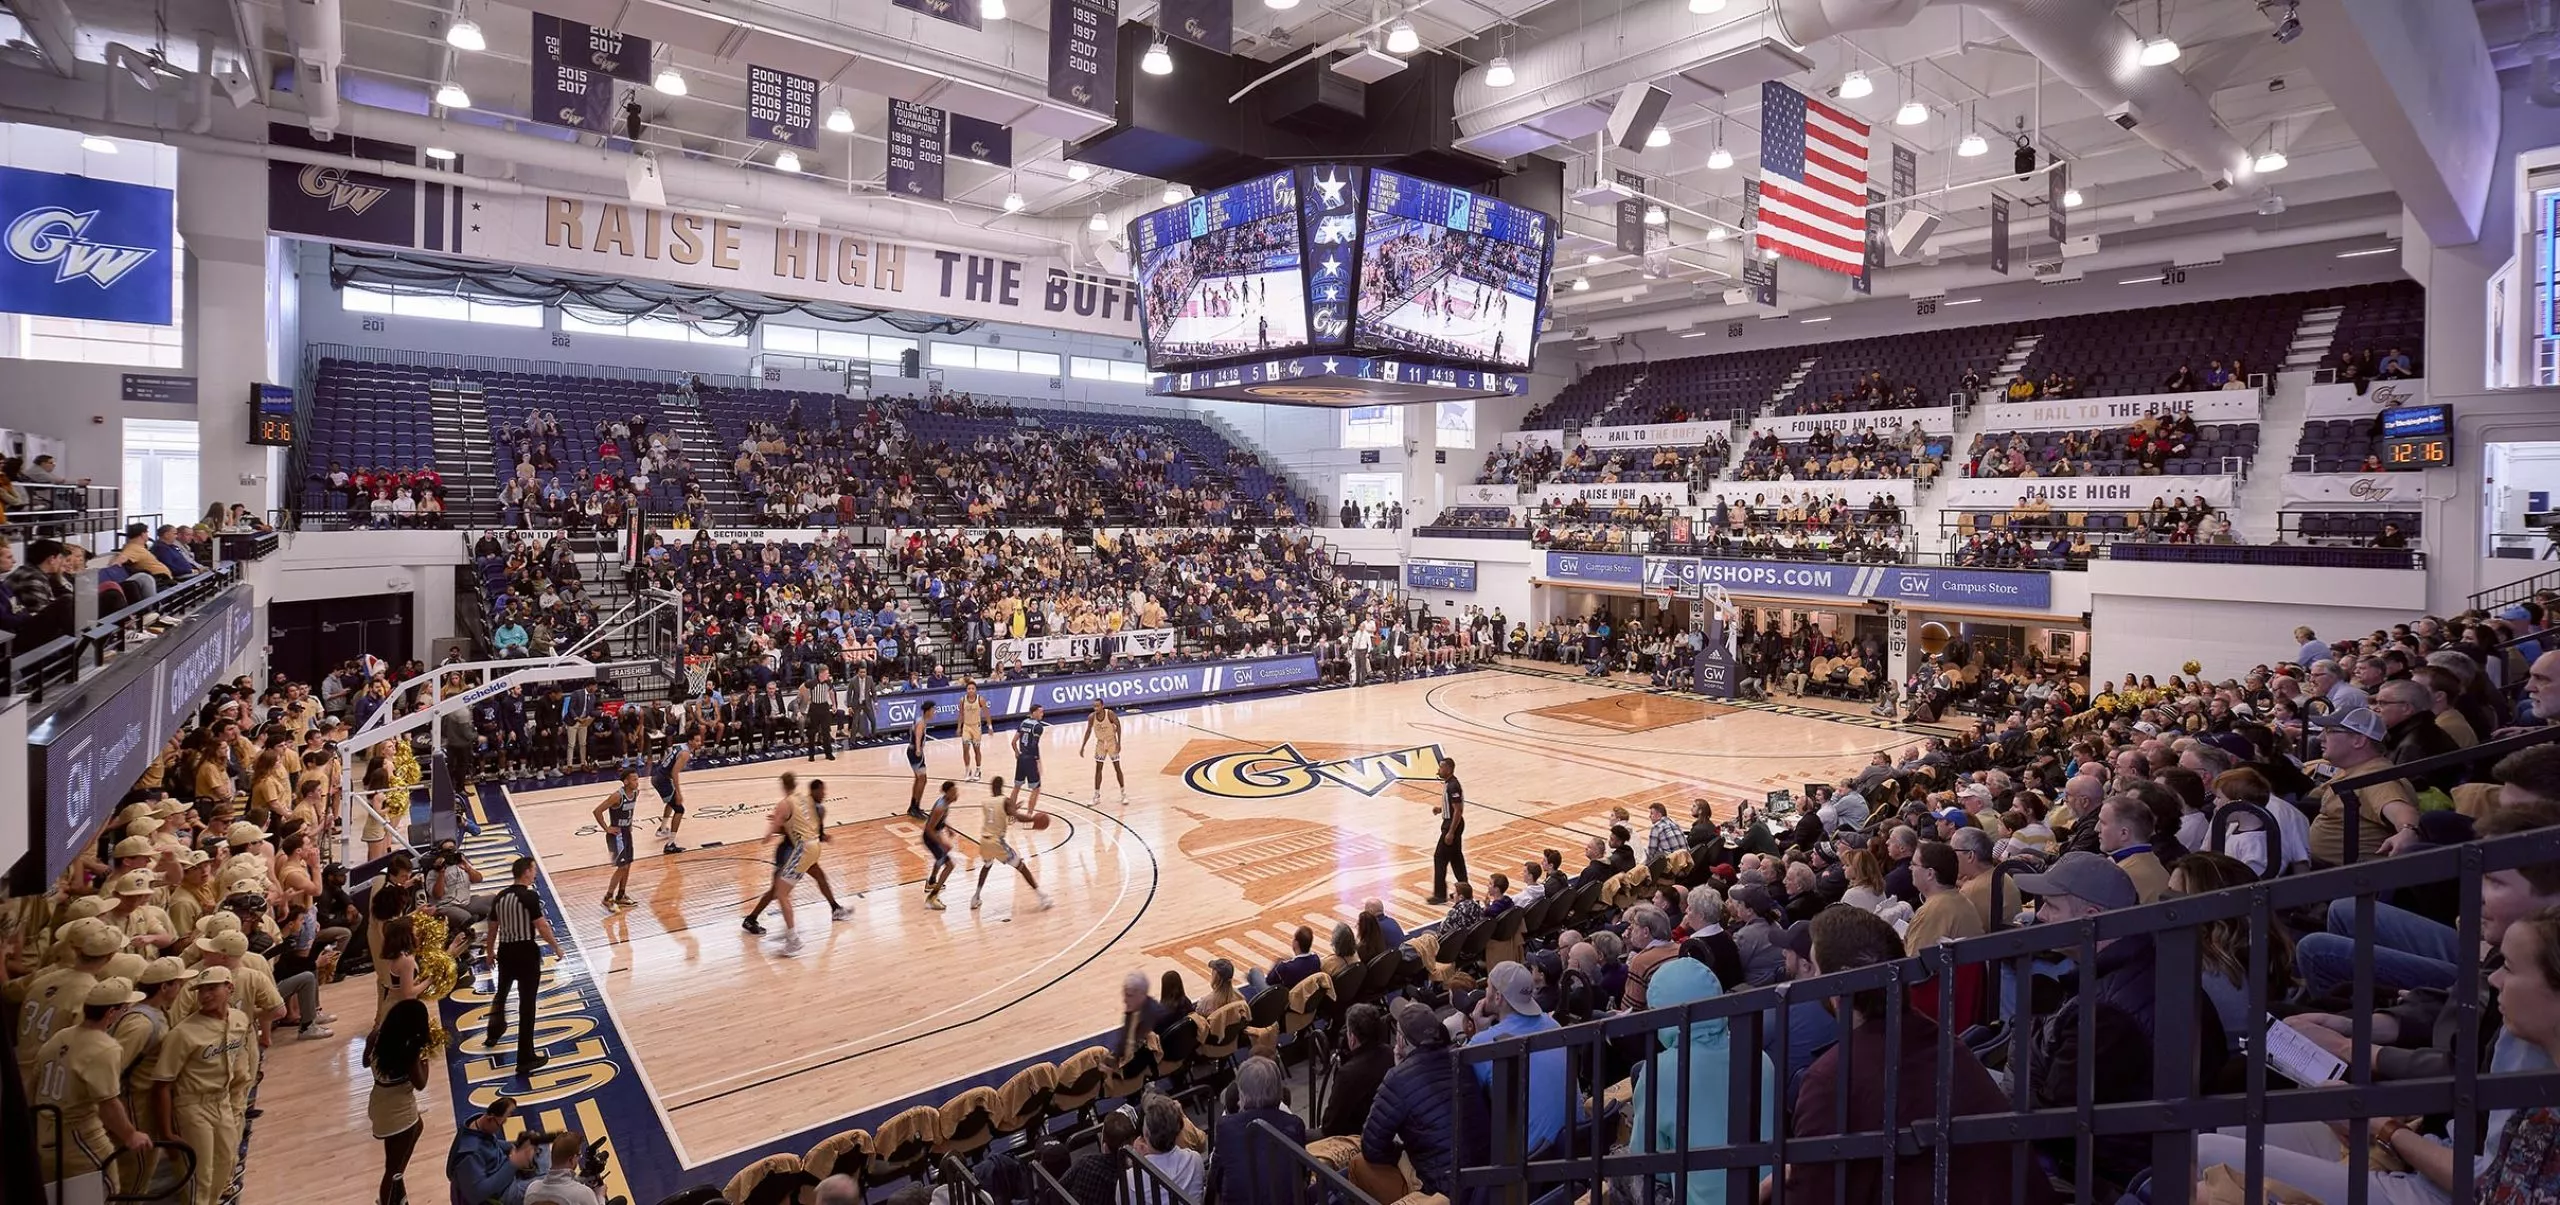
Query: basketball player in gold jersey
(1102, 735)
(937, 843)
(817, 804)
(796, 823)
(973, 728)
(993, 848)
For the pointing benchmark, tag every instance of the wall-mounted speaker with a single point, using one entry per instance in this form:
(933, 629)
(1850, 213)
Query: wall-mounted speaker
(1638, 110)
(1914, 229)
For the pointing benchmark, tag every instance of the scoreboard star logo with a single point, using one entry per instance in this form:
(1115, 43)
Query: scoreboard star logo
(1332, 365)
(1332, 189)
(1332, 267)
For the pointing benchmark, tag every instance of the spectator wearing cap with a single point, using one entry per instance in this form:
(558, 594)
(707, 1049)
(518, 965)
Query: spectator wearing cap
(1849, 1078)
(53, 997)
(139, 1033)
(1974, 859)
(1415, 1115)
(147, 927)
(78, 1073)
(1944, 914)
(2351, 741)
(256, 994)
(2125, 826)
(206, 1063)
(1698, 1061)
(1248, 1170)
(1511, 1009)
(1948, 820)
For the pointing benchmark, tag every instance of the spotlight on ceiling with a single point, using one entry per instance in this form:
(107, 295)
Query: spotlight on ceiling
(2272, 161)
(464, 34)
(98, 146)
(669, 81)
(1704, 7)
(451, 96)
(2289, 28)
(2158, 52)
(1769, 253)
(1855, 85)
(2071, 198)
(1497, 74)
(1716, 234)
(1653, 216)
(1911, 113)
(1582, 284)
(440, 154)
(1973, 146)
(1013, 202)
(1719, 159)
(840, 119)
(1158, 60)
(1098, 223)
(1401, 39)
(1280, 5)
(1593, 257)
(1172, 194)
(1659, 138)
(1079, 172)
(787, 161)
(992, 10)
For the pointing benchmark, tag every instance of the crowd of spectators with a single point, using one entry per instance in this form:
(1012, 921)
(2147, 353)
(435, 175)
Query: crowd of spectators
(39, 589)
(1843, 456)
(2149, 443)
(2363, 368)
(1872, 392)
(399, 496)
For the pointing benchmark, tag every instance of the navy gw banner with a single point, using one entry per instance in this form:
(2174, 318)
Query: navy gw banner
(957, 12)
(2022, 589)
(596, 48)
(1209, 23)
(566, 91)
(782, 107)
(1082, 692)
(84, 248)
(351, 207)
(916, 149)
(983, 141)
(1084, 54)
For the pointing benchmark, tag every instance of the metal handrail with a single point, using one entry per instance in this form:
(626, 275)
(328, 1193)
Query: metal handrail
(2487, 752)
(1331, 1186)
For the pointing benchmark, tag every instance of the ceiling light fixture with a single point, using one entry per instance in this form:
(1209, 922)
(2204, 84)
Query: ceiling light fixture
(450, 95)
(1653, 216)
(1973, 146)
(1717, 234)
(840, 119)
(1592, 257)
(2363, 251)
(1704, 7)
(2071, 198)
(2272, 161)
(1659, 138)
(1582, 284)
(1855, 85)
(2158, 52)
(1719, 158)
(1079, 172)
(787, 161)
(1013, 202)
(1497, 74)
(1960, 301)
(1158, 60)
(1911, 113)
(1172, 194)
(1695, 335)
(1280, 5)
(1769, 253)
(992, 10)
(1098, 223)
(1811, 321)
(669, 81)
(100, 146)
(440, 154)
(1401, 39)
(464, 34)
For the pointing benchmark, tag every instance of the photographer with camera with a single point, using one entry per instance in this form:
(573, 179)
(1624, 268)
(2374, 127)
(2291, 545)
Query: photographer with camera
(449, 878)
(485, 1167)
(576, 1176)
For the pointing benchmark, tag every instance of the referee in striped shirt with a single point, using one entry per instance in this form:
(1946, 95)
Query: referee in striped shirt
(517, 933)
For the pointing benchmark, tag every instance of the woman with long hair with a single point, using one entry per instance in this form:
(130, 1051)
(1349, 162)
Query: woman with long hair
(2223, 945)
(1372, 939)
(397, 1056)
(270, 788)
(1222, 987)
(1176, 999)
(395, 968)
(1867, 888)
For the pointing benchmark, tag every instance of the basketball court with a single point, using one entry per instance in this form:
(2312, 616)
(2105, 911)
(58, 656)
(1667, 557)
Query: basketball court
(1244, 821)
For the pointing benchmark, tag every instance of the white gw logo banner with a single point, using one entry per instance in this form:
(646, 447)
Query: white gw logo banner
(2355, 489)
(331, 185)
(53, 235)
(1050, 650)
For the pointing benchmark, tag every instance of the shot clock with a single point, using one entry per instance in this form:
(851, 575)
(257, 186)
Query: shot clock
(2417, 437)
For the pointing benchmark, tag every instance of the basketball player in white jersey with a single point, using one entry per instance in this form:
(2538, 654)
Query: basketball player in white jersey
(796, 824)
(917, 734)
(754, 923)
(1102, 736)
(614, 817)
(993, 848)
(973, 728)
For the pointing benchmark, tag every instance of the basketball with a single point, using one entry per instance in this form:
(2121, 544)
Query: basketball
(1039, 821)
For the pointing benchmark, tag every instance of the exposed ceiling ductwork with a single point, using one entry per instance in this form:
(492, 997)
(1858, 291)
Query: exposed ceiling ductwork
(319, 50)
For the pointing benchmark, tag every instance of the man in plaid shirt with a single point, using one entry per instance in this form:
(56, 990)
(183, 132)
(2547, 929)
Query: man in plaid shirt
(1665, 837)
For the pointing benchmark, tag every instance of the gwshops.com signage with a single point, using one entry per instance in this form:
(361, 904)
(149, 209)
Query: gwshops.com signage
(2074, 414)
(2355, 489)
(2086, 493)
(1683, 576)
(1083, 692)
(1794, 428)
(2342, 400)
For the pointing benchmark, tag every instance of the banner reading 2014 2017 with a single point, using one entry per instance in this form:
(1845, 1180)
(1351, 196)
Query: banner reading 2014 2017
(76, 247)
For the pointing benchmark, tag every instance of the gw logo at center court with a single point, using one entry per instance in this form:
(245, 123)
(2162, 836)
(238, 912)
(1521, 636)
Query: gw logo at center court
(1281, 770)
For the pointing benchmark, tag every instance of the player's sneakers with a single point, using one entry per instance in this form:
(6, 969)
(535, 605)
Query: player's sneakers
(672, 847)
(841, 912)
(612, 905)
(933, 900)
(1046, 903)
(315, 1032)
(751, 925)
(626, 901)
(790, 943)
(974, 900)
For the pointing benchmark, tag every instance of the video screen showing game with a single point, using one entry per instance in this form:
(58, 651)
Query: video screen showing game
(1218, 275)
(1445, 272)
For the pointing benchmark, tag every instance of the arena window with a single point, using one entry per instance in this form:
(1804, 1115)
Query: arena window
(1096, 368)
(1458, 425)
(853, 345)
(1373, 427)
(995, 359)
(443, 307)
(666, 330)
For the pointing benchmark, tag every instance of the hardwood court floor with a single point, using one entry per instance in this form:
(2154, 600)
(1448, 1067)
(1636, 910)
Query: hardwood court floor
(1243, 821)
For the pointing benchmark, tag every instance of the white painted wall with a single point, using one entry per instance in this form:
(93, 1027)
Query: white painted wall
(317, 565)
(2150, 619)
(1502, 574)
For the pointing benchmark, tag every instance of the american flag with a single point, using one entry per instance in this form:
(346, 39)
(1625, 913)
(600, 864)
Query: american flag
(1813, 180)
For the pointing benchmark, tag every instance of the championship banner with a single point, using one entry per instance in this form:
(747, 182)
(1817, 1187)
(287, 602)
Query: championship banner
(1084, 54)
(2074, 414)
(720, 252)
(85, 248)
(1760, 275)
(1872, 261)
(2355, 489)
(916, 149)
(1654, 435)
(957, 12)
(1119, 688)
(2087, 493)
(595, 48)
(2025, 589)
(1795, 428)
(1488, 495)
(980, 141)
(1770, 495)
(1601, 495)
(1906, 178)
(1630, 209)
(2057, 223)
(1210, 24)
(567, 92)
(2342, 401)
(2000, 235)
(783, 107)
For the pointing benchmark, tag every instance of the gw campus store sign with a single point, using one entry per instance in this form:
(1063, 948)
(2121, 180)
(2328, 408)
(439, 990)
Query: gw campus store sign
(819, 263)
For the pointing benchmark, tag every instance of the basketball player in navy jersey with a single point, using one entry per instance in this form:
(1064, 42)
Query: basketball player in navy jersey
(670, 786)
(809, 856)
(937, 843)
(917, 734)
(614, 817)
(1026, 759)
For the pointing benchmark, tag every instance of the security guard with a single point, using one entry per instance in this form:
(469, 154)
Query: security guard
(76, 1072)
(206, 1065)
(54, 999)
(138, 1034)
